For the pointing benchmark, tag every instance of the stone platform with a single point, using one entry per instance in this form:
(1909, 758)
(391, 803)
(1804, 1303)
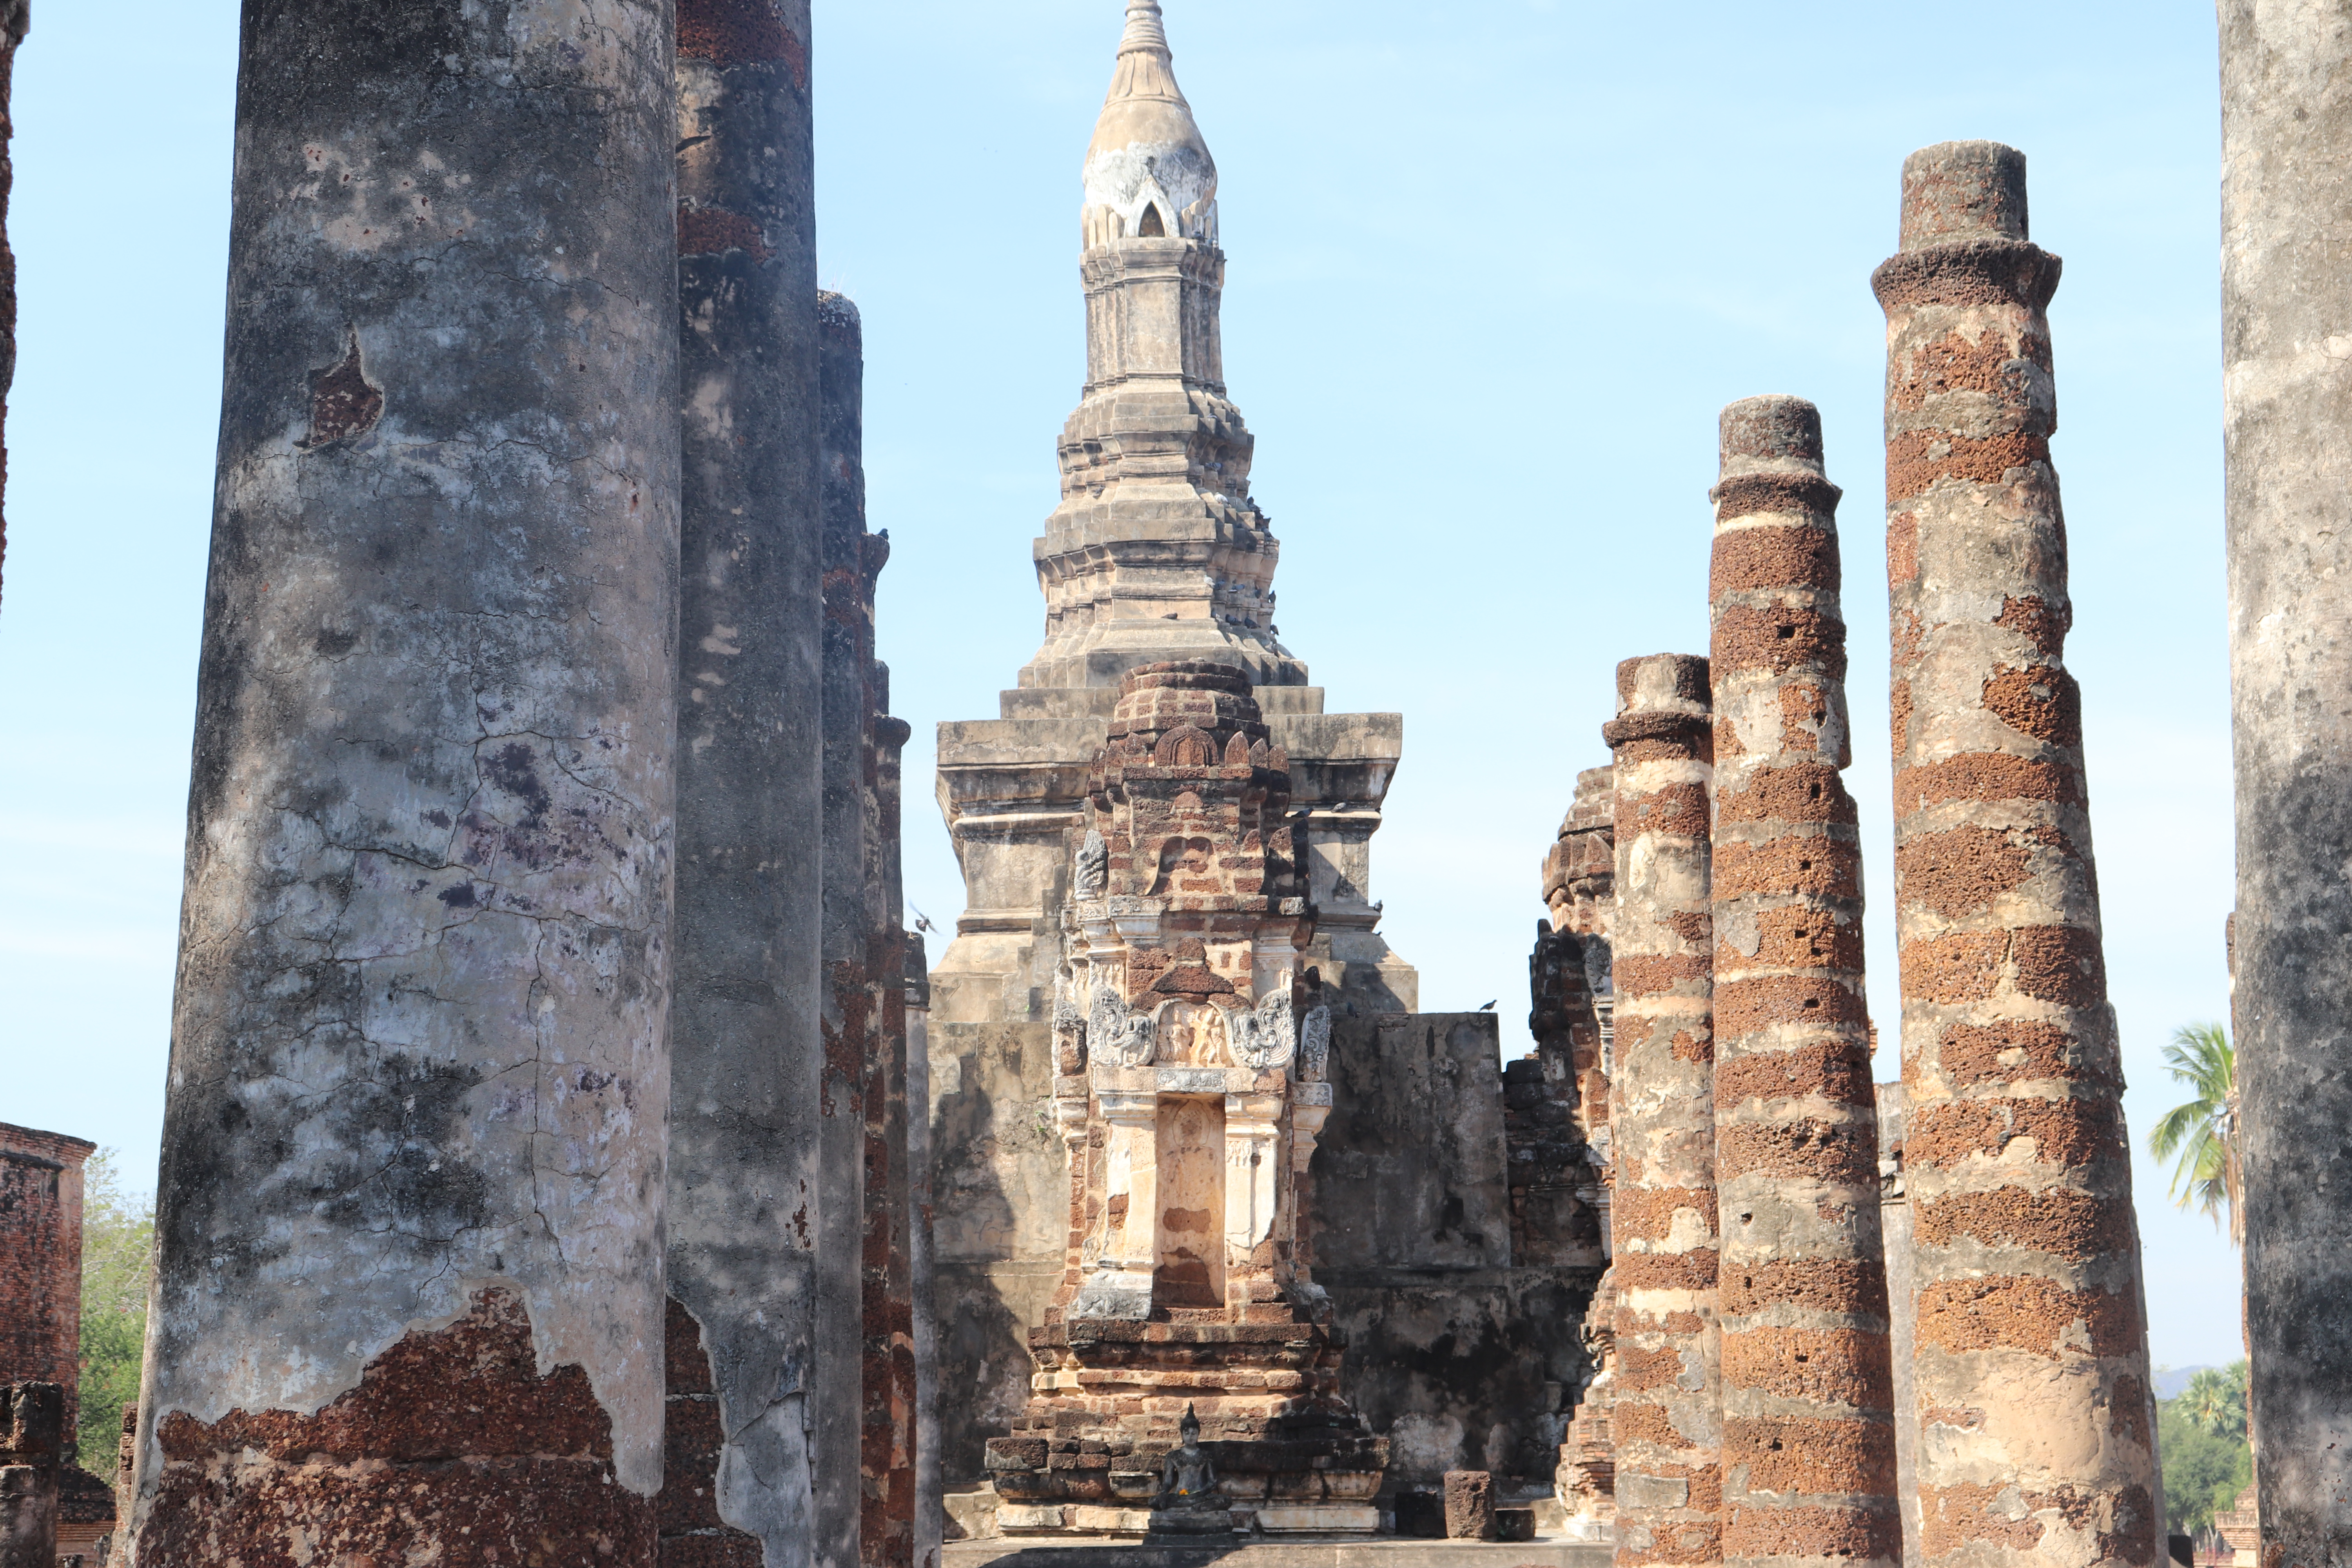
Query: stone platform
(1356, 1552)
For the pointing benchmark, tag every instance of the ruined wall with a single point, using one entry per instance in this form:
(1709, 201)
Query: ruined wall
(410, 1196)
(32, 1450)
(40, 1263)
(744, 1169)
(2286, 139)
(1463, 1357)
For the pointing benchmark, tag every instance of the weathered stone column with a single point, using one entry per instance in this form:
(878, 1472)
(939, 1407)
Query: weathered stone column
(887, 1455)
(923, 1330)
(1669, 1418)
(15, 14)
(745, 1051)
(413, 1160)
(2287, 225)
(2032, 1359)
(33, 1437)
(849, 996)
(1807, 1434)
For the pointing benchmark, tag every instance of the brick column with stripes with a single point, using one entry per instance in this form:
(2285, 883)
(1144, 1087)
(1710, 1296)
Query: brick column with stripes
(1669, 1415)
(2031, 1367)
(1809, 1439)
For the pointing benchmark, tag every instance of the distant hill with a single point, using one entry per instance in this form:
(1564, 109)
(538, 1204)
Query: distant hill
(2171, 1380)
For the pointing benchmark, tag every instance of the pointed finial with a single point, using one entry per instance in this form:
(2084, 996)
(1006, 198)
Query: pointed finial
(1143, 28)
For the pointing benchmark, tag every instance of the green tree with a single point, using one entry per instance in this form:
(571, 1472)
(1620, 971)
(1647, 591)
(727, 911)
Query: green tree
(118, 1240)
(2203, 1470)
(2200, 1136)
(2215, 1400)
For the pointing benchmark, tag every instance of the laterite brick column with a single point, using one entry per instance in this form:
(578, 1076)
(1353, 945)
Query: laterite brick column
(1669, 1416)
(2031, 1358)
(2286, 301)
(410, 1210)
(13, 16)
(1807, 1431)
(743, 1017)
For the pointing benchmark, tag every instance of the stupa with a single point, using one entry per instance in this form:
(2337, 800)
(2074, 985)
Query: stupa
(1191, 1050)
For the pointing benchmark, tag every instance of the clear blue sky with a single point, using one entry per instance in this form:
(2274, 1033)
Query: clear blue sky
(1493, 269)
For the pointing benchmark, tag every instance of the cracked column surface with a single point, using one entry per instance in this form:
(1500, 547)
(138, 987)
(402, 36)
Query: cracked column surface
(850, 1025)
(2031, 1360)
(1668, 1424)
(2286, 342)
(14, 15)
(410, 1208)
(1807, 1431)
(745, 1055)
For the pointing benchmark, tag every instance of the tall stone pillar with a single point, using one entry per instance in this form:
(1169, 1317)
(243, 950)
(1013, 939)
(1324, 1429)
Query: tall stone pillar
(33, 1437)
(923, 1330)
(1669, 1416)
(743, 1143)
(413, 1158)
(849, 998)
(1807, 1438)
(15, 14)
(2031, 1359)
(2286, 223)
(887, 1453)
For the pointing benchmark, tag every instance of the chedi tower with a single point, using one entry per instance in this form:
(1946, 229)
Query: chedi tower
(1157, 553)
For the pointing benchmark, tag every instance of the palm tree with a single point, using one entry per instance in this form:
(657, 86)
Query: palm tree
(2200, 1136)
(2215, 1400)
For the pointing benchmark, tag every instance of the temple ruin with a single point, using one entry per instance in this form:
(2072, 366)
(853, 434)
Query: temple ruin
(569, 1155)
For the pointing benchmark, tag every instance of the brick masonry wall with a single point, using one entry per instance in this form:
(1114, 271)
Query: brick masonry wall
(41, 1260)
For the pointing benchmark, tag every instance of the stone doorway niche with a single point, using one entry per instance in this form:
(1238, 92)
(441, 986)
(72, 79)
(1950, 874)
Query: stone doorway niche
(1191, 1272)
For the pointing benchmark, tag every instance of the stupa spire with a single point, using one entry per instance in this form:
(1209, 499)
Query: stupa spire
(1149, 173)
(1143, 32)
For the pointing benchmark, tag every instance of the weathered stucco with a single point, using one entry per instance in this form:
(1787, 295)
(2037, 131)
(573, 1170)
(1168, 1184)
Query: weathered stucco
(2286, 344)
(419, 1052)
(743, 1141)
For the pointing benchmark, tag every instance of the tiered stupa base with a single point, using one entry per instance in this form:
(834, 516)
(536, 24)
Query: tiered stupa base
(1086, 1456)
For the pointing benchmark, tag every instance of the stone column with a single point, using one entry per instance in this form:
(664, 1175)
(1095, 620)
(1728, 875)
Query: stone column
(1664, 1233)
(33, 1437)
(2287, 225)
(2032, 1359)
(930, 1515)
(848, 996)
(15, 14)
(413, 1156)
(887, 1452)
(745, 1060)
(1807, 1434)
(1895, 1231)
